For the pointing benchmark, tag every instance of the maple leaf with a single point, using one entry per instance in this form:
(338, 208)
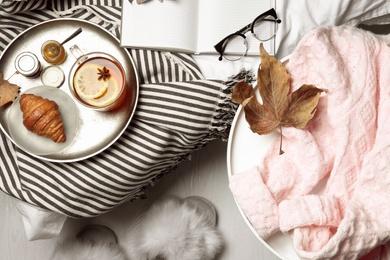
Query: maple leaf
(279, 107)
(8, 91)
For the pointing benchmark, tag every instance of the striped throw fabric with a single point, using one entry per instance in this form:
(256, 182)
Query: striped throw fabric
(178, 112)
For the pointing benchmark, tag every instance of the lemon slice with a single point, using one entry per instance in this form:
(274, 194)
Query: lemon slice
(87, 84)
(110, 96)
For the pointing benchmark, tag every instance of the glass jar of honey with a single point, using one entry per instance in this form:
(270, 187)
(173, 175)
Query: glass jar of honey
(53, 52)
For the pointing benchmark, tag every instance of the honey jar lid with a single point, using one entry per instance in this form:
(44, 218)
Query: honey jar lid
(53, 76)
(27, 64)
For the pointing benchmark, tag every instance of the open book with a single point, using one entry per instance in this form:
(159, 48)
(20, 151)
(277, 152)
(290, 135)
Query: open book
(192, 26)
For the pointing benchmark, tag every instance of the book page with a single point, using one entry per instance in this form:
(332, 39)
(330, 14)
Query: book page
(220, 18)
(170, 25)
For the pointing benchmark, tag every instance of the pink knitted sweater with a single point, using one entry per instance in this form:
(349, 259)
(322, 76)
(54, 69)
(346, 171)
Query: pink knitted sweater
(347, 142)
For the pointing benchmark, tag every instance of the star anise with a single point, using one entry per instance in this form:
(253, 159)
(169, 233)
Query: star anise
(104, 74)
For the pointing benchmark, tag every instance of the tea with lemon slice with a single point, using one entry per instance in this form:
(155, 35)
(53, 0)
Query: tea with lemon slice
(98, 82)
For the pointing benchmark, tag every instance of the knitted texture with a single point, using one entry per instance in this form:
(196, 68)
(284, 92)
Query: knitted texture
(346, 143)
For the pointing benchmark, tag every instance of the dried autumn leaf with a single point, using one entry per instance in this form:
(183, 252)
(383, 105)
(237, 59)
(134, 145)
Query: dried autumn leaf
(302, 106)
(273, 83)
(260, 119)
(8, 91)
(242, 91)
(279, 107)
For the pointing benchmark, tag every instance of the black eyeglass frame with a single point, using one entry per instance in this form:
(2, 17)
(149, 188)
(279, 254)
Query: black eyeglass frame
(220, 46)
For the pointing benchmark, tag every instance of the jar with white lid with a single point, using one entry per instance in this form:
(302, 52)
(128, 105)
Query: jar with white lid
(28, 65)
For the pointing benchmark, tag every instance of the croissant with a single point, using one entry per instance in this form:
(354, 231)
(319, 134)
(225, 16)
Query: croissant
(42, 117)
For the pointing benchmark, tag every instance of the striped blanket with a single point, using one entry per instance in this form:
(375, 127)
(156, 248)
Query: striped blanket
(165, 130)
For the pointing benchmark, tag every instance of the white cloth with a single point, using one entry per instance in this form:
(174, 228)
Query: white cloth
(301, 16)
(39, 223)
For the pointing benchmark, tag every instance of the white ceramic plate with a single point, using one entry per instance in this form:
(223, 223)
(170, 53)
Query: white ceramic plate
(34, 143)
(246, 149)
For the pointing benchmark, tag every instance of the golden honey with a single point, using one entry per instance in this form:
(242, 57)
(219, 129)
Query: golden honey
(53, 52)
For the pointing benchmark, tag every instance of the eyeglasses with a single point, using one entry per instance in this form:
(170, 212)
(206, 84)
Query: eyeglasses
(263, 28)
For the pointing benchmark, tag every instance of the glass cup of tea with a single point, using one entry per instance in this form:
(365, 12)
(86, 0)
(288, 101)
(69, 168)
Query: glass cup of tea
(53, 52)
(97, 80)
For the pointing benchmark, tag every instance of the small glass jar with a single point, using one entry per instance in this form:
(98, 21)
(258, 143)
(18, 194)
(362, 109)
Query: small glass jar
(28, 65)
(53, 52)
